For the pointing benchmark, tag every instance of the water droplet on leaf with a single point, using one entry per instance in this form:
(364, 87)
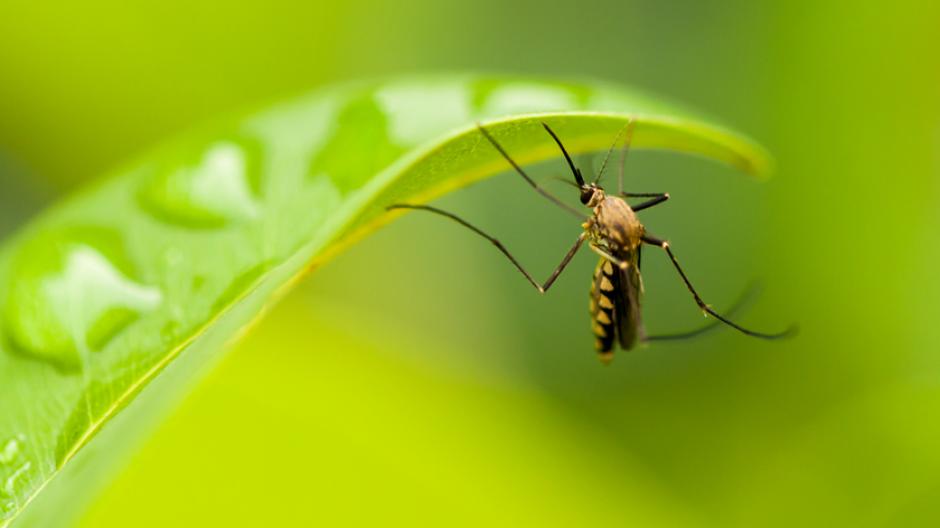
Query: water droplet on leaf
(362, 125)
(218, 186)
(522, 98)
(13, 471)
(68, 298)
(10, 450)
(419, 111)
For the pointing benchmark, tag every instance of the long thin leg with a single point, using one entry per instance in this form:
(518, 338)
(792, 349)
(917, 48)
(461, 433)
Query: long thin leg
(542, 288)
(628, 129)
(528, 179)
(623, 154)
(606, 254)
(747, 296)
(701, 304)
(684, 335)
(658, 198)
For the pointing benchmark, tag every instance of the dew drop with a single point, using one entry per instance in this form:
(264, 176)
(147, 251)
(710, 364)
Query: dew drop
(9, 484)
(13, 472)
(362, 126)
(67, 298)
(10, 451)
(519, 98)
(217, 187)
(418, 111)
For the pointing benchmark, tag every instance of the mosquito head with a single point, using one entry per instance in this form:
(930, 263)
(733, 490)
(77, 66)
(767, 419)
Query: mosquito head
(592, 194)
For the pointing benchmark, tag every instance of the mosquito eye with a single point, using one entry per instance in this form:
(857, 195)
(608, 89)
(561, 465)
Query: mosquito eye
(586, 195)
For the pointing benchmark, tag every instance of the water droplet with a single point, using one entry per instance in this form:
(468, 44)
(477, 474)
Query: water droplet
(419, 111)
(10, 451)
(13, 472)
(362, 126)
(9, 485)
(520, 98)
(68, 298)
(217, 187)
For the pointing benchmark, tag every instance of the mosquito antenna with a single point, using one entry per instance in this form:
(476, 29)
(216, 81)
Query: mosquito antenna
(626, 148)
(613, 145)
(574, 170)
(526, 177)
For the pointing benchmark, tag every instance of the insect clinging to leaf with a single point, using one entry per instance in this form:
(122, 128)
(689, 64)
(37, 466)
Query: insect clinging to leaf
(615, 233)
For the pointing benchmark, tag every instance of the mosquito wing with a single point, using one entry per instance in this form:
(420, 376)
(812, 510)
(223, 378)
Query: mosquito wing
(627, 302)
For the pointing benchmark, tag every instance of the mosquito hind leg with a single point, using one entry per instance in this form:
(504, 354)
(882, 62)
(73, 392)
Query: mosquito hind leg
(701, 304)
(657, 198)
(542, 288)
(749, 293)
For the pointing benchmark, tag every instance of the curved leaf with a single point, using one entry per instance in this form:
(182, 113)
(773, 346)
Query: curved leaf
(124, 292)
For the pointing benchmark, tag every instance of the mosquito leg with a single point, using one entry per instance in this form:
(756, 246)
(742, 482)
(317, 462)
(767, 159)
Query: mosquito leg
(658, 198)
(623, 153)
(684, 335)
(606, 254)
(744, 299)
(701, 304)
(542, 288)
(551, 197)
(628, 130)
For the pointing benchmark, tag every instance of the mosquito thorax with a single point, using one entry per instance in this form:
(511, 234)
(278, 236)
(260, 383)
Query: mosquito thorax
(616, 224)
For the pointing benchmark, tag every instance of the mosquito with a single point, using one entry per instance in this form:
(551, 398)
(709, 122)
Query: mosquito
(614, 232)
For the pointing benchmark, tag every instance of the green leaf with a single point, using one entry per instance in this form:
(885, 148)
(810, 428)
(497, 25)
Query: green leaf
(114, 301)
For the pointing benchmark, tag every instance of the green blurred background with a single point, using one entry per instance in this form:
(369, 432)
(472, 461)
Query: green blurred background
(416, 379)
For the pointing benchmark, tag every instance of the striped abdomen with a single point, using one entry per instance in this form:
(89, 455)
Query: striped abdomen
(615, 306)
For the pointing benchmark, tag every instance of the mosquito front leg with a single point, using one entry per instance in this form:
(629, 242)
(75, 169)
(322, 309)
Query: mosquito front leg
(623, 153)
(551, 197)
(698, 300)
(657, 198)
(542, 288)
(628, 130)
(622, 264)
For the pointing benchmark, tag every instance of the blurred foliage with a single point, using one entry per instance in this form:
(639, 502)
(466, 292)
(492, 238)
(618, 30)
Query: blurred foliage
(453, 393)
